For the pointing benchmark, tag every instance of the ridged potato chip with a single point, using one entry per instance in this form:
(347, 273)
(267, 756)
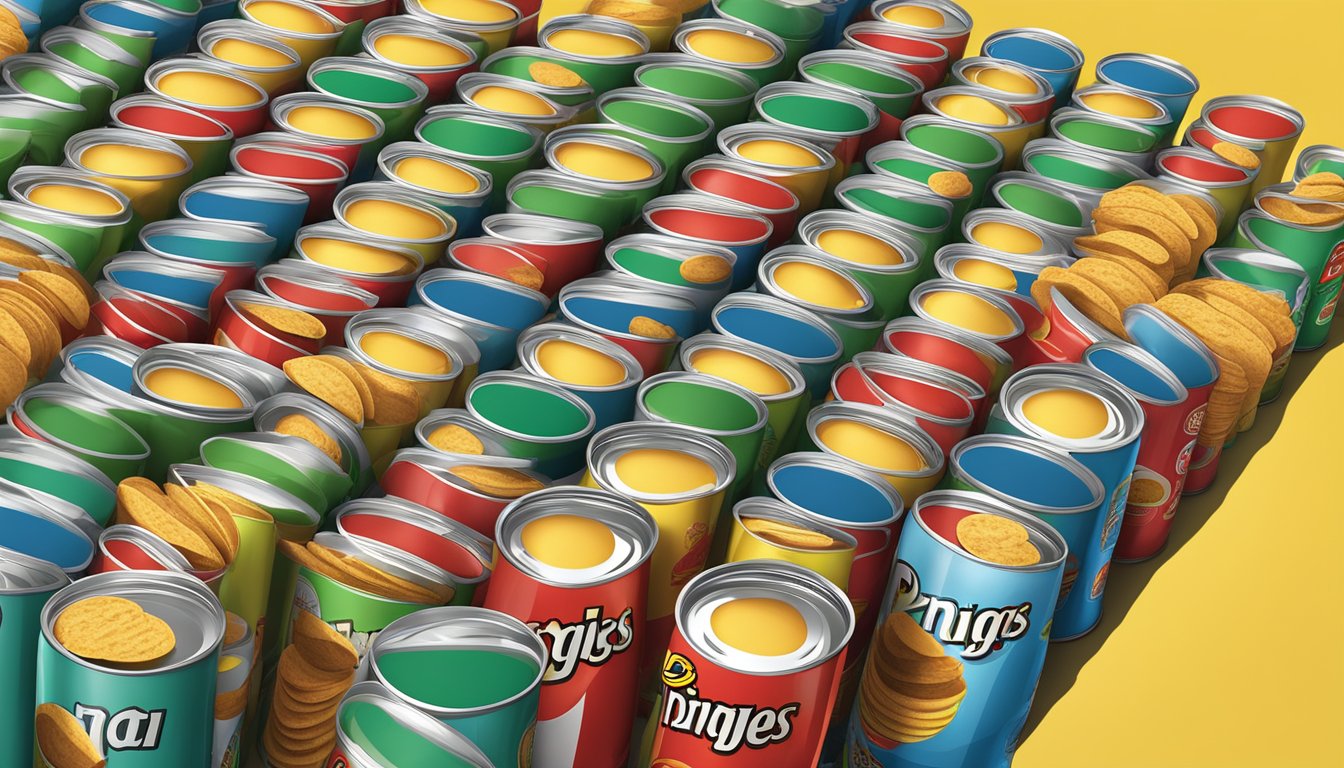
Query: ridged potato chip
(62, 739)
(1148, 224)
(328, 383)
(1131, 245)
(1148, 199)
(113, 629)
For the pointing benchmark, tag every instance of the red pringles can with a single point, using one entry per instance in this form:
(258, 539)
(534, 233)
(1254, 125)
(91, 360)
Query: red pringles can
(753, 668)
(570, 248)
(980, 366)
(920, 56)
(212, 90)
(1172, 418)
(732, 180)
(941, 21)
(573, 564)
(971, 310)
(316, 174)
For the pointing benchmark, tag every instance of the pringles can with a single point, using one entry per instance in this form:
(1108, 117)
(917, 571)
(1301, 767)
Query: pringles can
(756, 642)
(877, 441)
(1172, 417)
(922, 708)
(458, 641)
(574, 563)
(157, 716)
(600, 372)
(1083, 413)
(890, 89)
(1049, 54)
(1153, 76)
(681, 478)
(26, 584)
(1266, 126)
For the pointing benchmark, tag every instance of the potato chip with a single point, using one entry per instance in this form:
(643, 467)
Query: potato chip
(1118, 283)
(650, 328)
(1132, 245)
(525, 275)
(43, 336)
(1236, 155)
(304, 558)
(230, 704)
(1321, 186)
(787, 535)
(348, 370)
(1269, 309)
(503, 482)
(1233, 312)
(1148, 224)
(553, 75)
(1082, 293)
(13, 377)
(145, 505)
(950, 184)
(218, 528)
(304, 428)
(289, 320)
(378, 581)
(17, 254)
(997, 539)
(236, 505)
(1226, 339)
(1204, 221)
(1311, 215)
(62, 739)
(68, 298)
(454, 439)
(1150, 279)
(1148, 199)
(113, 629)
(706, 268)
(328, 383)
(397, 401)
(322, 646)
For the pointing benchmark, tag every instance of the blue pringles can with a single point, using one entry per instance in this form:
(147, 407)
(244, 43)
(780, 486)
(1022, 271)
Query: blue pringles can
(795, 332)
(962, 640)
(1032, 476)
(1157, 77)
(272, 207)
(1048, 54)
(1077, 410)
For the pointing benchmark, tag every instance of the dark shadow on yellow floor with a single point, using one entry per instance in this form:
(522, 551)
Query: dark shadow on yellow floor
(1127, 580)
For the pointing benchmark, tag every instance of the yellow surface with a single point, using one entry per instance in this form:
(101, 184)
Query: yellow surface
(599, 161)
(392, 219)
(1121, 105)
(1066, 412)
(586, 42)
(246, 53)
(759, 625)
(134, 162)
(756, 375)
(1008, 238)
(966, 311)
(1176, 673)
(579, 365)
(290, 18)
(568, 541)
(404, 354)
(774, 152)
(474, 11)
(431, 174)
(869, 445)
(331, 122)
(985, 273)
(972, 109)
(661, 471)
(858, 247)
(72, 199)
(412, 51)
(511, 101)
(355, 257)
(191, 388)
(729, 47)
(818, 285)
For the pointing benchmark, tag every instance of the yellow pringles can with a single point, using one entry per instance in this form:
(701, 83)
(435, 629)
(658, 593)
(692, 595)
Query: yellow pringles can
(149, 170)
(493, 21)
(310, 31)
(769, 529)
(253, 52)
(878, 441)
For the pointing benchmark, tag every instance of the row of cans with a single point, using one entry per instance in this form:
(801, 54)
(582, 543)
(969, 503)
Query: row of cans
(597, 597)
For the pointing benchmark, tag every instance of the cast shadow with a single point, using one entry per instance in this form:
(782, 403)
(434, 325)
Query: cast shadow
(1127, 580)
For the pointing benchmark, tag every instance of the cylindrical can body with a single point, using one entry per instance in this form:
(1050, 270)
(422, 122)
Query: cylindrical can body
(991, 620)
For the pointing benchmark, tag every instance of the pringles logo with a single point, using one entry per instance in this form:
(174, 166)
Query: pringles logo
(727, 727)
(979, 631)
(591, 641)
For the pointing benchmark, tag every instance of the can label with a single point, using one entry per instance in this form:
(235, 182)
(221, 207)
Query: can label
(994, 624)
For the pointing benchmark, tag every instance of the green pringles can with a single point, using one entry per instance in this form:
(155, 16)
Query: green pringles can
(892, 90)
(912, 208)
(48, 124)
(1269, 272)
(549, 192)
(46, 470)
(735, 45)
(396, 97)
(26, 583)
(798, 25)
(155, 714)
(772, 377)
(1086, 173)
(519, 62)
(675, 131)
(53, 79)
(834, 119)
(88, 220)
(604, 51)
(1107, 134)
(628, 174)
(286, 462)
(501, 657)
(722, 93)
(714, 407)
(977, 154)
(533, 419)
(65, 417)
(1315, 248)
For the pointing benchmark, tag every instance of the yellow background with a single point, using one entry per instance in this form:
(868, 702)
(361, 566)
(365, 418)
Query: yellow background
(1228, 652)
